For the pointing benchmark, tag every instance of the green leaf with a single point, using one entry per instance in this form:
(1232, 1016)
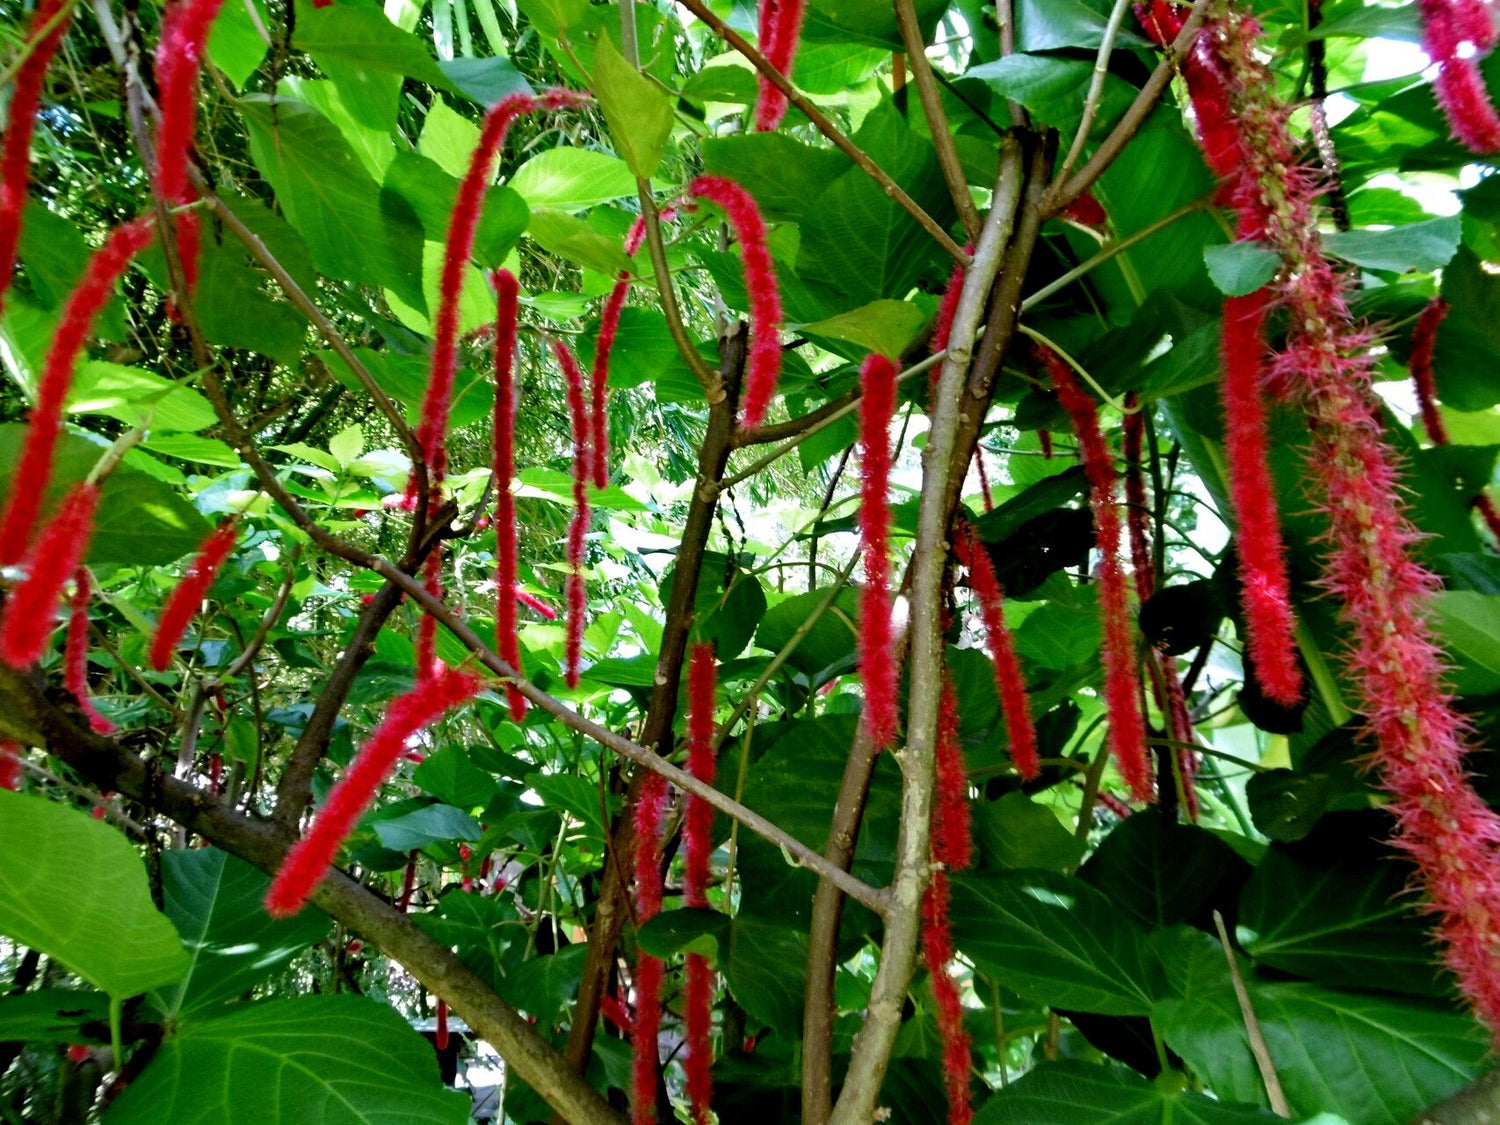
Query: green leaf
(73, 888)
(234, 42)
(1049, 87)
(1073, 1092)
(1469, 338)
(138, 398)
(303, 1060)
(1240, 268)
(829, 643)
(434, 824)
(1424, 246)
(1047, 25)
(886, 327)
(567, 792)
(480, 928)
(766, 971)
(1469, 626)
(451, 776)
(1017, 833)
(216, 901)
(639, 114)
(686, 931)
(570, 237)
(543, 987)
(555, 17)
(865, 21)
(54, 1015)
(364, 39)
(485, 81)
(1056, 941)
(784, 174)
(571, 179)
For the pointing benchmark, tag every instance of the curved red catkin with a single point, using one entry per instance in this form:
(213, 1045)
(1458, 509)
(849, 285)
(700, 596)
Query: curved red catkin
(1205, 81)
(10, 765)
(1180, 724)
(540, 607)
(647, 817)
(1044, 442)
(984, 479)
(408, 884)
(407, 714)
(877, 656)
(1455, 36)
(577, 593)
(1010, 683)
(766, 29)
(609, 324)
(1122, 693)
(440, 1039)
(1269, 623)
(764, 365)
(1137, 511)
(1395, 663)
(698, 818)
(83, 305)
(780, 50)
(15, 148)
(507, 644)
(28, 620)
(76, 654)
(937, 952)
(432, 582)
(942, 326)
(183, 603)
(952, 833)
(1423, 344)
(463, 224)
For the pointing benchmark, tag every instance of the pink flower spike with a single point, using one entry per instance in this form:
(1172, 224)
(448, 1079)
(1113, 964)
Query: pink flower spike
(84, 304)
(507, 644)
(780, 48)
(1423, 343)
(407, 714)
(698, 818)
(15, 148)
(646, 818)
(10, 765)
(764, 365)
(29, 611)
(538, 606)
(1136, 511)
(184, 601)
(1466, 103)
(943, 325)
(76, 654)
(577, 594)
(877, 656)
(609, 324)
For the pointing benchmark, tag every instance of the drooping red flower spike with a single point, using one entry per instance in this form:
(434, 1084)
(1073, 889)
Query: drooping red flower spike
(1127, 727)
(647, 817)
(698, 818)
(1087, 211)
(15, 148)
(538, 606)
(987, 496)
(28, 620)
(440, 1039)
(1394, 661)
(952, 832)
(1132, 446)
(942, 326)
(609, 324)
(577, 594)
(1455, 35)
(764, 364)
(1269, 623)
(183, 603)
(877, 656)
(84, 304)
(408, 884)
(463, 223)
(784, 22)
(507, 307)
(1010, 682)
(76, 654)
(10, 765)
(407, 714)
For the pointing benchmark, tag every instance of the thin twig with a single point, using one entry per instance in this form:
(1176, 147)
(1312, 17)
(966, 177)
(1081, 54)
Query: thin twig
(1258, 1048)
(937, 120)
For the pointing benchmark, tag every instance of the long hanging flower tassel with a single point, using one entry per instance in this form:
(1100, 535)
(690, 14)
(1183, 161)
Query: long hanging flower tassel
(10, 765)
(1127, 727)
(764, 365)
(29, 612)
(15, 148)
(780, 49)
(507, 644)
(877, 657)
(1137, 512)
(1010, 683)
(463, 224)
(1455, 36)
(184, 601)
(432, 582)
(649, 809)
(76, 654)
(311, 856)
(83, 305)
(609, 324)
(698, 818)
(578, 528)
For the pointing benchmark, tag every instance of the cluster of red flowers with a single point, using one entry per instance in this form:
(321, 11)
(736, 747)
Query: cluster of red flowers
(185, 598)
(698, 817)
(1456, 35)
(649, 811)
(780, 30)
(877, 657)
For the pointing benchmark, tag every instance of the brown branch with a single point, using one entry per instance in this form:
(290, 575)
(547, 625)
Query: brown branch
(937, 120)
(827, 127)
(667, 291)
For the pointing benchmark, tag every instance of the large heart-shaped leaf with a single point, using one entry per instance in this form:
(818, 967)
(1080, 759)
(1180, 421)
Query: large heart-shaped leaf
(1073, 1092)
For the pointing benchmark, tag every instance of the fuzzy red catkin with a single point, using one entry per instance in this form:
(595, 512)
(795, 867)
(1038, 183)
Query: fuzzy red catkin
(408, 884)
(183, 603)
(1010, 683)
(463, 224)
(1455, 36)
(698, 818)
(15, 149)
(507, 644)
(432, 582)
(877, 656)
(76, 654)
(440, 1039)
(952, 834)
(1132, 445)
(609, 324)
(407, 714)
(10, 765)
(984, 479)
(764, 364)
(1127, 727)
(538, 606)
(937, 952)
(83, 305)
(1269, 623)
(1206, 89)
(649, 809)
(577, 594)
(1423, 344)
(942, 326)
(27, 623)
(780, 50)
